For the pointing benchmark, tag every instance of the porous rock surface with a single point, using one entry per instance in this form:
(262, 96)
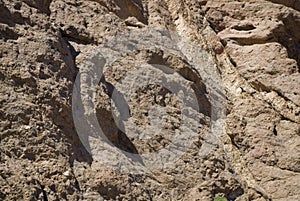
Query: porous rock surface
(254, 46)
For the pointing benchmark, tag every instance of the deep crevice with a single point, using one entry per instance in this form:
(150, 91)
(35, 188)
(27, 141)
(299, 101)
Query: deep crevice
(72, 49)
(232, 61)
(11, 19)
(42, 6)
(275, 131)
(6, 33)
(244, 27)
(288, 36)
(42, 188)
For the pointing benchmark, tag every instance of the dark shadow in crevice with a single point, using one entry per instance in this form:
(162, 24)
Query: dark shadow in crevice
(203, 2)
(288, 36)
(8, 34)
(74, 53)
(11, 19)
(291, 40)
(41, 190)
(244, 27)
(41, 6)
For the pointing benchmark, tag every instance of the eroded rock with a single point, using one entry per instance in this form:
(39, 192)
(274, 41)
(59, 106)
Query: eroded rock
(239, 58)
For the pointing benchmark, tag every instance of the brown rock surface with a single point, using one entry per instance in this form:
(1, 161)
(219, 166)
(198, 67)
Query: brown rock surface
(45, 50)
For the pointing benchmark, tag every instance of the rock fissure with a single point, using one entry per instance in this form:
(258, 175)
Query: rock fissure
(240, 59)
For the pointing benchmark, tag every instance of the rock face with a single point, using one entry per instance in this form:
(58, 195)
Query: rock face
(235, 65)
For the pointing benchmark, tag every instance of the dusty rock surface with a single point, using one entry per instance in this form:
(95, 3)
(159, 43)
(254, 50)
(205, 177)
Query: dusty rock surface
(241, 60)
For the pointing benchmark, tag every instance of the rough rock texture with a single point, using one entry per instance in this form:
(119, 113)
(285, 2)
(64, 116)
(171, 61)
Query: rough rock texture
(263, 123)
(253, 44)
